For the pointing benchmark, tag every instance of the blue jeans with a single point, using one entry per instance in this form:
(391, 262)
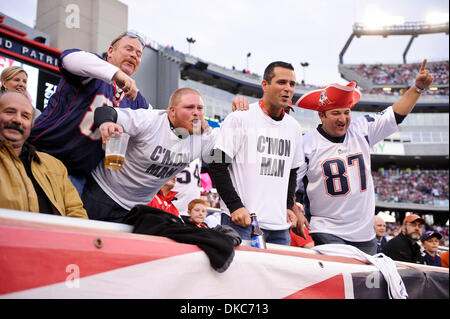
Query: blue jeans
(369, 247)
(98, 205)
(78, 182)
(281, 237)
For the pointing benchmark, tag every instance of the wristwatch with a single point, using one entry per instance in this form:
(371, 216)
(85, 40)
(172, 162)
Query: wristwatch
(418, 90)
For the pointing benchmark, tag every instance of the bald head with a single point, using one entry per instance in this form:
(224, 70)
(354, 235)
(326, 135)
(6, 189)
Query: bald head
(175, 98)
(380, 226)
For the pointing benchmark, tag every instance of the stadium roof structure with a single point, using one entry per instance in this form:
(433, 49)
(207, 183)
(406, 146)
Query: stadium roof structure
(413, 29)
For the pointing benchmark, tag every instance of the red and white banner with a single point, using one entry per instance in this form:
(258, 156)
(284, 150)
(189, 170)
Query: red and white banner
(45, 256)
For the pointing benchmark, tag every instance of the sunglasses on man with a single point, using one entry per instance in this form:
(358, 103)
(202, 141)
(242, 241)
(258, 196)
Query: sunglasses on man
(130, 34)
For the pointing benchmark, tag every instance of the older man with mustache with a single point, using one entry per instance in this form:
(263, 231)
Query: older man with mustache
(65, 127)
(29, 180)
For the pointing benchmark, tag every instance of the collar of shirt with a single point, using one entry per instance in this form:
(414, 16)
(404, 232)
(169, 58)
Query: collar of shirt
(180, 134)
(29, 153)
(275, 118)
(334, 139)
(170, 196)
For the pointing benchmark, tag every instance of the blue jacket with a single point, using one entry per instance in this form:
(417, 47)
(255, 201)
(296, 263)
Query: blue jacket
(432, 261)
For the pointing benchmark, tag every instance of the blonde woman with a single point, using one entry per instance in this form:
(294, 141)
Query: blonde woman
(14, 78)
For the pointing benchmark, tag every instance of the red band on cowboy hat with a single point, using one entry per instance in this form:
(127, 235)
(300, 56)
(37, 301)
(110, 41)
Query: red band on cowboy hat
(333, 96)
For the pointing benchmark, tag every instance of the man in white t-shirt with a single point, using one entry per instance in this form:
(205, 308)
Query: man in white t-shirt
(161, 144)
(339, 191)
(264, 148)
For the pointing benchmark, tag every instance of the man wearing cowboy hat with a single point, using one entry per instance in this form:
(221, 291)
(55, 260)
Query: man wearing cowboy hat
(340, 196)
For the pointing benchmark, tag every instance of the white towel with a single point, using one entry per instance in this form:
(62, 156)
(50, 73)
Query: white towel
(396, 287)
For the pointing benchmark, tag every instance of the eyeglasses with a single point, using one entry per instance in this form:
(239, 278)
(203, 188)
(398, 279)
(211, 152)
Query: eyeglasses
(130, 34)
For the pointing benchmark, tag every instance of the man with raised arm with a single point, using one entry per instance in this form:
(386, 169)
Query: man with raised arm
(65, 128)
(339, 191)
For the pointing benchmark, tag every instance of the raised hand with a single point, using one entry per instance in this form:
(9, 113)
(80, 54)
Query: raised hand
(424, 78)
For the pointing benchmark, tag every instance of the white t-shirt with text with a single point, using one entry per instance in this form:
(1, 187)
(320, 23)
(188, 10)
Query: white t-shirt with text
(263, 151)
(154, 155)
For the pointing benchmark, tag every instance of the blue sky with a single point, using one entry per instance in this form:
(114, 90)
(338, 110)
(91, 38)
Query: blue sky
(290, 30)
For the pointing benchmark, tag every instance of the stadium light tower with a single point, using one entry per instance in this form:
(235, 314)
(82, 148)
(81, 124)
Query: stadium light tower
(304, 66)
(190, 41)
(413, 29)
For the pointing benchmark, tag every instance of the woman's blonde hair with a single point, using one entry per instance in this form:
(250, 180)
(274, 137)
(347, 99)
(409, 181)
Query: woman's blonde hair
(9, 73)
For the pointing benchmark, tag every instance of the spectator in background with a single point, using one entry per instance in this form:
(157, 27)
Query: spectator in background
(214, 198)
(14, 78)
(29, 180)
(205, 198)
(395, 232)
(380, 231)
(392, 231)
(163, 199)
(197, 210)
(404, 247)
(65, 129)
(444, 259)
(213, 217)
(430, 242)
(298, 241)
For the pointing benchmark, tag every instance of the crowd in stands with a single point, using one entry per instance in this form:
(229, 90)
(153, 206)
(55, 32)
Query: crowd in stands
(438, 92)
(401, 74)
(211, 198)
(379, 74)
(411, 186)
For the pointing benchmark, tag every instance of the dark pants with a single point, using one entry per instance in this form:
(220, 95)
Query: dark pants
(369, 247)
(98, 205)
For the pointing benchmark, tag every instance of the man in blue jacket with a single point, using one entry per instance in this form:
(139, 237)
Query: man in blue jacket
(65, 128)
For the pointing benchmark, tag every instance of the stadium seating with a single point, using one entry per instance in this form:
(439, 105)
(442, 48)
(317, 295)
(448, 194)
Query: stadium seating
(395, 78)
(412, 186)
